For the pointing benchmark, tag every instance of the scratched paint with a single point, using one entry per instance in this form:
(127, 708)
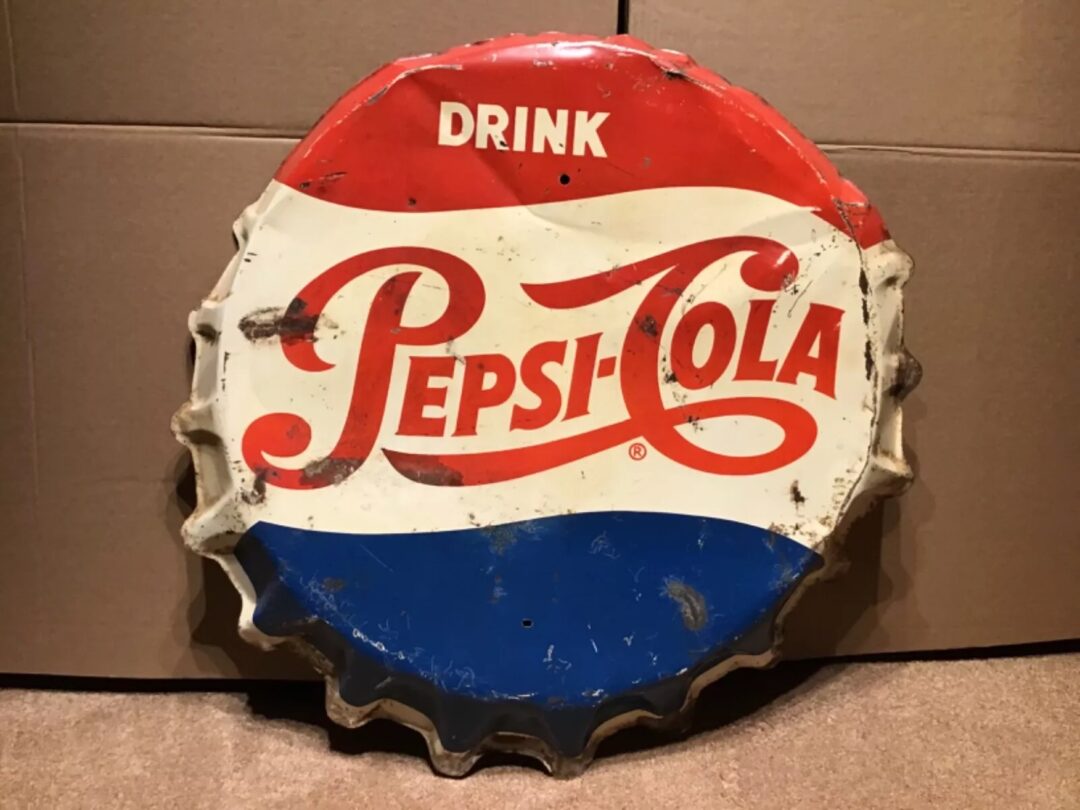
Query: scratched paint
(543, 636)
(545, 373)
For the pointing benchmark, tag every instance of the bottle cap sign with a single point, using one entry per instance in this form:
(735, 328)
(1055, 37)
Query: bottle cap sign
(546, 373)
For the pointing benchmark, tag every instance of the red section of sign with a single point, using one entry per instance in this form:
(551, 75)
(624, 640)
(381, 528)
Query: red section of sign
(560, 117)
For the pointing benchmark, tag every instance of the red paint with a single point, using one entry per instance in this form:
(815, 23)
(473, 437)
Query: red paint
(421, 394)
(536, 380)
(752, 365)
(670, 123)
(577, 403)
(820, 329)
(721, 323)
(489, 381)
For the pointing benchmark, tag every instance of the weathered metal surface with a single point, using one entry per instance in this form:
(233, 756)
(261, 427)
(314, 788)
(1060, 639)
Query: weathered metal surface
(547, 372)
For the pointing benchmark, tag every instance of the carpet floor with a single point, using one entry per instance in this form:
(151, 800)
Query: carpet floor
(993, 733)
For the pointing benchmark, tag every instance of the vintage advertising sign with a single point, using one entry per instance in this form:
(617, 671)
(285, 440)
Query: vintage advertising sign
(547, 372)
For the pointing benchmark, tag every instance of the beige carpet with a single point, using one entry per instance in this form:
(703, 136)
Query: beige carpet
(999, 733)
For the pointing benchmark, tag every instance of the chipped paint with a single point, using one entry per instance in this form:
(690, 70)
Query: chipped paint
(692, 607)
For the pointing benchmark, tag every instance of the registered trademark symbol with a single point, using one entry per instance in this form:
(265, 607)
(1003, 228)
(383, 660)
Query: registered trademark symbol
(638, 451)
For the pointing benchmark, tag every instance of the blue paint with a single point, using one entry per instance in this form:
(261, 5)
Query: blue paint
(569, 608)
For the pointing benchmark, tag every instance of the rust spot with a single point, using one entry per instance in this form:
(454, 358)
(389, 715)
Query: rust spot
(691, 603)
(257, 493)
(649, 326)
(433, 473)
(674, 73)
(329, 471)
(868, 357)
(864, 288)
(670, 291)
(207, 332)
(908, 374)
(204, 438)
(797, 497)
(500, 538)
(291, 325)
(333, 584)
(374, 97)
(323, 183)
(450, 350)
(671, 377)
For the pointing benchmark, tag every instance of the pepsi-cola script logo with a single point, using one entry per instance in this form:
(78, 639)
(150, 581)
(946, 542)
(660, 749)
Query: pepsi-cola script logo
(525, 390)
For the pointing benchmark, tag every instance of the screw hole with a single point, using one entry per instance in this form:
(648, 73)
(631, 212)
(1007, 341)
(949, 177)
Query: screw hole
(526, 623)
(564, 179)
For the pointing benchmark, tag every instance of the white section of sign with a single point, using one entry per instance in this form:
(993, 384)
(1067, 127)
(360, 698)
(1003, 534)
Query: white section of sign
(294, 237)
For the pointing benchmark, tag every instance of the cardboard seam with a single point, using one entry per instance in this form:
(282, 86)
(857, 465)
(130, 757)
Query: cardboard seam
(966, 152)
(20, 173)
(294, 136)
(622, 18)
(135, 128)
(31, 384)
(11, 58)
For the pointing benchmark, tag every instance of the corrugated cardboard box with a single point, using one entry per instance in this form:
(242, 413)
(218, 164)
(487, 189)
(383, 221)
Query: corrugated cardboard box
(246, 64)
(967, 73)
(150, 132)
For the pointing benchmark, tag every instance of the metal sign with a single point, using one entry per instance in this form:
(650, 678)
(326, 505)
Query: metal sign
(546, 373)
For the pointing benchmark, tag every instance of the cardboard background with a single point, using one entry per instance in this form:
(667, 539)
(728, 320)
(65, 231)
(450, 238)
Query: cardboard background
(110, 234)
(966, 73)
(250, 64)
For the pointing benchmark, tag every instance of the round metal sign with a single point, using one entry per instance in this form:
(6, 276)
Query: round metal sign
(546, 373)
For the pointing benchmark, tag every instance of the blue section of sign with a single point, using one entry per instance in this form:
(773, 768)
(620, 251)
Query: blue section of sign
(568, 609)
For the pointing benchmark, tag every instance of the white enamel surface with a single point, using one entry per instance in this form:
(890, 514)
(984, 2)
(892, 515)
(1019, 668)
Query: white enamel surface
(292, 238)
